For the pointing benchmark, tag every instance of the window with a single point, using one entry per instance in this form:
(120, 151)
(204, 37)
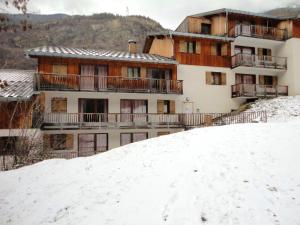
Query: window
(264, 54)
(165, 106)
(218, 49)
(127, 138)
(59, 105)
(60, 69)
(215, 78)
(191, 47)
(268, 80)
(162, 133)
(133, 72)
(245, 79)
(205, 28)
(130, 107)
(8, 145)
(90, 144)
(58, 141)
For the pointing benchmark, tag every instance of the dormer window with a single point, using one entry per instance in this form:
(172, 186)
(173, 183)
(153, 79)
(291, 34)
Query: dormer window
(205, 28)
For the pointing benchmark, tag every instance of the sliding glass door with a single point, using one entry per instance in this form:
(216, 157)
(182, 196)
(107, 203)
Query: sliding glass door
(93, 110)
(93, 77)
(134, 110)
(90, 144)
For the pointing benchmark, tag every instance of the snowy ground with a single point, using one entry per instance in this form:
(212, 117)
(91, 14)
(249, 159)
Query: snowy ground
(244, 174)
(279, 109)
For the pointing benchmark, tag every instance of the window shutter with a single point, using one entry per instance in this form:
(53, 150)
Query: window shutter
(69, 141)
(172, 107)
(182, 46)
(198, 47)
(59, 105)
(223, 78)
(261, 80)
(60, 69)
(213, 49)
(143, 72)
(46, 141)
(260, 52)
(208, 78)
(274, 80)
(124, 71)
(160, 106)
(224, 49)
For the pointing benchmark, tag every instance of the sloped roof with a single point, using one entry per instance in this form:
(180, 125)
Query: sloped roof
(53, 51)
(19, 85)
(234, 11)
(184, 34)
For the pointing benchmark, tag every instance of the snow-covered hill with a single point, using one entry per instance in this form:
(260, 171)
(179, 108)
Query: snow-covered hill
(245, 174)
(280, 109)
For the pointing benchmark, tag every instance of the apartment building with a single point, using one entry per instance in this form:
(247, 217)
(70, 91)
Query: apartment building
(95, 100)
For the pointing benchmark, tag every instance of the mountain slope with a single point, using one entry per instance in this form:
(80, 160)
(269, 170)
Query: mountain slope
(293, 11)
(240, 174)
(102, 31)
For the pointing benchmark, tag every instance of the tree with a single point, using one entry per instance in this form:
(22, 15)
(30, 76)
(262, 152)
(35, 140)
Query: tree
(20, 6)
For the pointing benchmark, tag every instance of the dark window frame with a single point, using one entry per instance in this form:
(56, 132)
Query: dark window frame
(58, 142)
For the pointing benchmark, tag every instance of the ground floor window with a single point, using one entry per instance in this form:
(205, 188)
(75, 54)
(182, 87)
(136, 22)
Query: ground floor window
(58, 141)
(162, 133)
(90, 144)
(127, 138)
(8, 145)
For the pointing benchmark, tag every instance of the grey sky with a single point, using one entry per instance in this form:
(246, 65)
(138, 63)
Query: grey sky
(168, 12)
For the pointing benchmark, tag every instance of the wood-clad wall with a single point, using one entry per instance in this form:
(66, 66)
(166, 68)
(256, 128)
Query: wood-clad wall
(45, 65)
(194, 24)
(163, 47)
(206, 56)
(296, 28)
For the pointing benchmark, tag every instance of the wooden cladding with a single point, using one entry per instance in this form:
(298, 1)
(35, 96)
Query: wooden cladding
(215, 78)
(207, 52)
(193, 47)
(115, 68)
(59, 105)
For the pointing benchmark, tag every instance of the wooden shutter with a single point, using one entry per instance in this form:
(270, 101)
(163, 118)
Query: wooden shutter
(260, 52)
(59, 105)
(213, 49)
(143, 72)
(261, 79)
(160, 106)
(69, 141)
(274, 80)
(208, 78)
(172, 107)
(224, 49)
(182, 46)
(60, 69)
(223, 78)
(124, 71)
(46, 141)
(198, 47)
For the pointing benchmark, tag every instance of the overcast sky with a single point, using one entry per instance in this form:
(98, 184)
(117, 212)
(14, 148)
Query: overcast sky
(169, 13)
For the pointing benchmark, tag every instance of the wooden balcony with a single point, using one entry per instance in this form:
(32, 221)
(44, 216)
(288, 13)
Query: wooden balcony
(256, 90)
(117, 120)
(258, 31)
(259, 61)
(55, 82)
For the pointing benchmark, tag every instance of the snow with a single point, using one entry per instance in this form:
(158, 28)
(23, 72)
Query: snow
(242, 174)
(280, 109)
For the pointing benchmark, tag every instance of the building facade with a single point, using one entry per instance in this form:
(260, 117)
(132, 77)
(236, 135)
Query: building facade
(95, 100)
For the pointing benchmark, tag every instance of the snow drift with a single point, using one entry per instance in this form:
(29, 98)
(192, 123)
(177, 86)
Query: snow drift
(240, 174)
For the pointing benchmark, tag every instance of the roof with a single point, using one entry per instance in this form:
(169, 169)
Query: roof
(16, 85)
(97, 54)
(234, 11)
(183, 34)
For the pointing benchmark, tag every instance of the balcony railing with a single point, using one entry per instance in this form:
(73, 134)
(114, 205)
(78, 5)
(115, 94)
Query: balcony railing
(261, 61)
(257, 90)
(55, 82)
(258, 31)
(119, 120)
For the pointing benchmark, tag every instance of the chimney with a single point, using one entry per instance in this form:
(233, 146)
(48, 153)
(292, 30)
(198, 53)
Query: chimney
(132, 46)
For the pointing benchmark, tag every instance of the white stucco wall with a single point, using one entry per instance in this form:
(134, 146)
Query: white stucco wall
(291, 49)
(206, 98)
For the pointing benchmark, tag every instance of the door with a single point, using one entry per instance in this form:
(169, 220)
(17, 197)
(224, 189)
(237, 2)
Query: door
(93, 110)
(102, 73)
(87, 77)
(90, 144)
(134, 110)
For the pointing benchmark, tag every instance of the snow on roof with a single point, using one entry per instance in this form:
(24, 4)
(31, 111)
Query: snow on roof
(240, 174)
(16, 84)
(183, 34)
(278, 109)
(97, 54)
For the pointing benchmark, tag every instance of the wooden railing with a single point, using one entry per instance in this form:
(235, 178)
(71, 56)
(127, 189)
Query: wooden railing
(261, 61)
(259, 31)
(53, 82)
(257, 90)
(141, 120)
